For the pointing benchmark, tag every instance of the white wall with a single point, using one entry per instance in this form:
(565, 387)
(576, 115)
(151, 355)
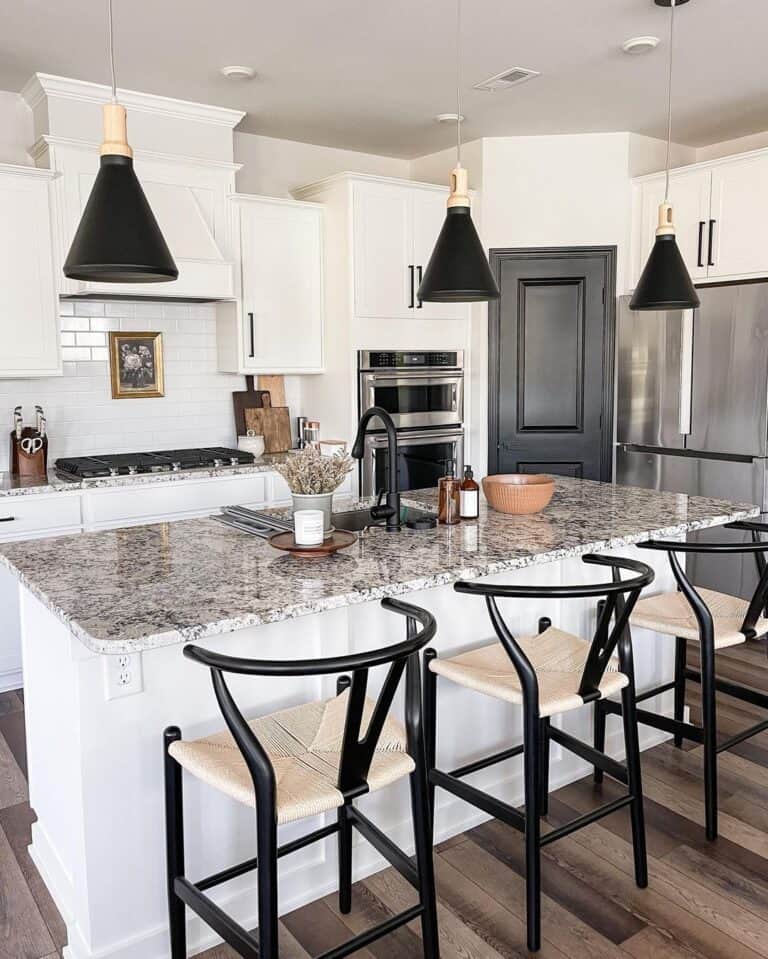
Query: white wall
(15, 129)
(714, 151)
(275, 167)
(649, 155)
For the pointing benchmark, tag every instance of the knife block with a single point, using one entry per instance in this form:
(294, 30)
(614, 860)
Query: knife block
(29, 465)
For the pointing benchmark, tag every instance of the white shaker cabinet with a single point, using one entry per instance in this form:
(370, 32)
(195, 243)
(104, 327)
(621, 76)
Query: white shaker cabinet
(395, 227)
(29, 308)
(739, 216)
(720, 209)
(278, 325)
(690, 196)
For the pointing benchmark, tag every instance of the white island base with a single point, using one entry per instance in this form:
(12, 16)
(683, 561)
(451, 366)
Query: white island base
(96, 770)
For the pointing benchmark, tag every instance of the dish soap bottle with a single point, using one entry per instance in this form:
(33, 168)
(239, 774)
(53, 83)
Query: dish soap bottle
(469, 494)
(449, 498)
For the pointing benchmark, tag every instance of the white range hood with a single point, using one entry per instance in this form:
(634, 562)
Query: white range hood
(183, 153)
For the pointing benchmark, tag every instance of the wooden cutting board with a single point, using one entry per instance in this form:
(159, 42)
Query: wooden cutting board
(274, 424)
(249, 398)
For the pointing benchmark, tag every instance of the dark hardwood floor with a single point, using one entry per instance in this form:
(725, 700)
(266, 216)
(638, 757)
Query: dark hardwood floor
(706, 900)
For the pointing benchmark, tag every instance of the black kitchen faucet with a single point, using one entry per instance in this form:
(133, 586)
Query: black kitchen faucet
(390, 512)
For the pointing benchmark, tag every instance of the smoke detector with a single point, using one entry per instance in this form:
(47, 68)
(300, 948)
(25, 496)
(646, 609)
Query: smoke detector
(507, 79)
(449, 118)
(238, 73)
(636, 46)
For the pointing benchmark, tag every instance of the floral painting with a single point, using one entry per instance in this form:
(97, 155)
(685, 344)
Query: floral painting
(136, 362)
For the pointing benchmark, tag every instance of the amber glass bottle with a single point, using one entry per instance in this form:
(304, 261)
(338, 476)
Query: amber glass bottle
(448, 498)
(469, 496)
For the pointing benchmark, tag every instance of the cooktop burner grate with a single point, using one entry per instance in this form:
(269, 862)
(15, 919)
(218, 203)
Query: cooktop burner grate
(164, 461)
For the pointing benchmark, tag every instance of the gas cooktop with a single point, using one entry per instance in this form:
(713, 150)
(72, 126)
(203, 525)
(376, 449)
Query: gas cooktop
(165, 461)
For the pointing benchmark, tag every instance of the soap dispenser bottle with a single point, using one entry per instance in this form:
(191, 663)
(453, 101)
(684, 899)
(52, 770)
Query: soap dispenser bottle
(449, 497)
(469, 496)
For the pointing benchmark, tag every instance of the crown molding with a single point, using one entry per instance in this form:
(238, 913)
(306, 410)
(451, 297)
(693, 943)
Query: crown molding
(41, 146)
(43, 85)
(19, 169)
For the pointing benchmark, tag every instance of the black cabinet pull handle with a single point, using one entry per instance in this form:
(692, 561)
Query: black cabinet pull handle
(699, 261)
(253, 340)
(420, 270)
(410, 274)
(710, 261)
(7, 519)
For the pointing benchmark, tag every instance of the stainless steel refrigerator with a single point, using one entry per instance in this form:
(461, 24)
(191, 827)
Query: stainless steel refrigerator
(692, 412)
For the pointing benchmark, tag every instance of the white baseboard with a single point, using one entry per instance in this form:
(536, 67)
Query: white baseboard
(11, 679)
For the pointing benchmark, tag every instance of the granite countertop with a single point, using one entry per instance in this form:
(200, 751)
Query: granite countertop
(147, 586)
(58, 483)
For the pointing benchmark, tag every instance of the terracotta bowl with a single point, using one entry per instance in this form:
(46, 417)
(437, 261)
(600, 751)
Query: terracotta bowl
(518, 492)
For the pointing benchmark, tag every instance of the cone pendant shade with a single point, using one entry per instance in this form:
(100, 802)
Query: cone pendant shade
(665, 283)
(118, 239)
(458, 270)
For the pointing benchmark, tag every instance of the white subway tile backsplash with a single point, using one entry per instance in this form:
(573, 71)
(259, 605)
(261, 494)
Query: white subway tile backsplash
(90, 339)
(83, 417)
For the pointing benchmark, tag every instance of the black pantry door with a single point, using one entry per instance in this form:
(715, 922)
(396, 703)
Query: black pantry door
(550, 362)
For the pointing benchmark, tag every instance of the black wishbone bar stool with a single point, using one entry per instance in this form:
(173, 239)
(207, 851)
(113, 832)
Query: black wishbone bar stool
(548, 674)
(301, 762)
(716, 621)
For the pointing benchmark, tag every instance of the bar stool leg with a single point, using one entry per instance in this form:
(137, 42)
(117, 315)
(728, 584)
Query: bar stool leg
(680, 661)
(429, 713)
(599, 715)
(709, 722)
(174, 844)
(266, 845)
(344, 835)
(531, 762)
(422, 828)
(632, 746)
(544, 767)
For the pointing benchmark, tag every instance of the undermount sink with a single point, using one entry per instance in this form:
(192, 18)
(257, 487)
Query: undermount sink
(357, 519)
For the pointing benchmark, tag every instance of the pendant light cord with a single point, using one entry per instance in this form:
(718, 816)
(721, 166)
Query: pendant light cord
(458, 82)
(669, 97)
(111, 51)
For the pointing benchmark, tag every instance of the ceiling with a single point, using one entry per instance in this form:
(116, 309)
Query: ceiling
(370, 76)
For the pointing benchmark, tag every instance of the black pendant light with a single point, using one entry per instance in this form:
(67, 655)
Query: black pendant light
(458, 270)
(665, 283)
(118, 239)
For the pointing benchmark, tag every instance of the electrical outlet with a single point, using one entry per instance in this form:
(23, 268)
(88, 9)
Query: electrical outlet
(122, 675)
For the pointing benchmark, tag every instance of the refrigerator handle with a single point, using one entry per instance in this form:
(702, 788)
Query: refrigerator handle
(686, 372)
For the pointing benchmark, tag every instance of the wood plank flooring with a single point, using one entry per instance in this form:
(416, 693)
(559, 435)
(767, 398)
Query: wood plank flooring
(705, 900)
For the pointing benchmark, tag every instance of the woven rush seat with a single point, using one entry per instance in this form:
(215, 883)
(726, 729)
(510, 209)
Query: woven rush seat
(557, 657)
(670, 613)
(304, 746)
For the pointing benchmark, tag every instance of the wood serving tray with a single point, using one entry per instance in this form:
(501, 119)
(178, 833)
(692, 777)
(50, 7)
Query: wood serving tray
(340, 539)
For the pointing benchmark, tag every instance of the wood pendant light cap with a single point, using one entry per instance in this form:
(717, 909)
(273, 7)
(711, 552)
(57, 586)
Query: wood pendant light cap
(115, 132)
(459, 184)
(666, 221)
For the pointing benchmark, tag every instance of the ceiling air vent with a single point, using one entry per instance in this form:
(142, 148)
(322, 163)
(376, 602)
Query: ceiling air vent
(507, 79)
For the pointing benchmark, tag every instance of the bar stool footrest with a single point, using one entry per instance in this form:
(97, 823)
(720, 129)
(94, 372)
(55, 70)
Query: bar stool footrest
(589, 754)
(229, 930)
(494, 807)
(585, 820)
(385, 847)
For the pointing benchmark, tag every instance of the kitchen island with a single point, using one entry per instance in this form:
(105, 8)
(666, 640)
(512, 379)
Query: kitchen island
(105, 616)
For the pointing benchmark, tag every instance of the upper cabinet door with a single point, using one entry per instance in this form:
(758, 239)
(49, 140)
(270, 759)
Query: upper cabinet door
(428, 217)
(29, 314)
(282, 251)
(689, 194)
(739, 217)
(385, 271)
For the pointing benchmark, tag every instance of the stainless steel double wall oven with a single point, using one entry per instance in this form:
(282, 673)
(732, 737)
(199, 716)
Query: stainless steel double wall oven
(423, 391)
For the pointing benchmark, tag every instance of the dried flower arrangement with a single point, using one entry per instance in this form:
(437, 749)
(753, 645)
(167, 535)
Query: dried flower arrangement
(311, 473)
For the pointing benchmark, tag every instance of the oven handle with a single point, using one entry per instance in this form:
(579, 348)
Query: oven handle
(407, 378)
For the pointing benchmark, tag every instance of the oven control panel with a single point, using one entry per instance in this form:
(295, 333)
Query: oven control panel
(410, 360)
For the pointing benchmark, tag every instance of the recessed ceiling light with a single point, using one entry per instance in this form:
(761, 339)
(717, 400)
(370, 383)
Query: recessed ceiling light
(236, 72)
(640, 45)
(449, 118)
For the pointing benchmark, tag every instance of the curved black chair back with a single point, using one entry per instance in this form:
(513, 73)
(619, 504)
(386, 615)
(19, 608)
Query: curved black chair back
(619, 598)
(757, 605)
(356, 752)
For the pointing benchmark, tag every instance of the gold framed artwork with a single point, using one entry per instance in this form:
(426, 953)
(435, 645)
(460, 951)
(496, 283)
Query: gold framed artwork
(136, 365)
